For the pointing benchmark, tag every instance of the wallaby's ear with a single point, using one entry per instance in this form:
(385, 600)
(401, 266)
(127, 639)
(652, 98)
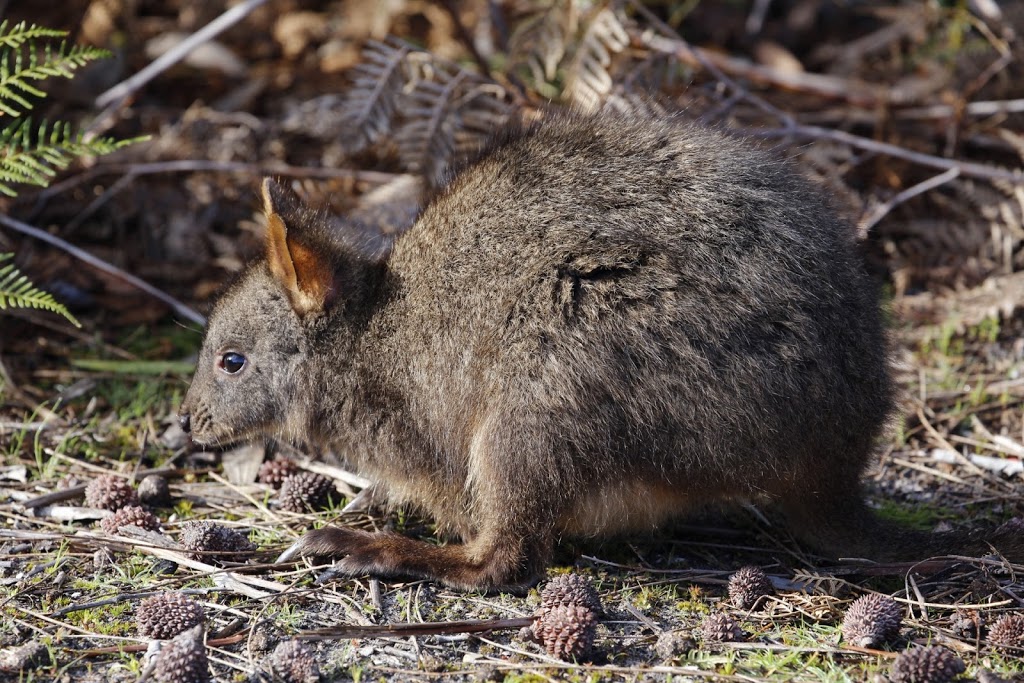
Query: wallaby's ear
(307, 276)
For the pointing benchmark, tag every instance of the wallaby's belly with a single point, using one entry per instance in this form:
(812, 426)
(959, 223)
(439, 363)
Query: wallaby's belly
(629, 506)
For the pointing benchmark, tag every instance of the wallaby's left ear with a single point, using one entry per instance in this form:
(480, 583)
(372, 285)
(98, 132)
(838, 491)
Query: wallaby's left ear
(305, 274)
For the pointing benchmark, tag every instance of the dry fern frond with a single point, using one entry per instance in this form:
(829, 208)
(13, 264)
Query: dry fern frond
(432, 109)
(630, 102)
(378, 81)
(426, 140)
(484, 108)
(448, 111)
(587, 79)
(539, 41)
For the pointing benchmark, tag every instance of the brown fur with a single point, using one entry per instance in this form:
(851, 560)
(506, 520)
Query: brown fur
(600, 324)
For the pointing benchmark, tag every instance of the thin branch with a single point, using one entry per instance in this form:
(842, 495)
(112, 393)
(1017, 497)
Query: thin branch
(715, 71)
(854, 92)
(178, 307)
(872, 217)
(968, 169)
(427, 628)
(178, 52)
(98, 203)
(202, 165)
(983, 108)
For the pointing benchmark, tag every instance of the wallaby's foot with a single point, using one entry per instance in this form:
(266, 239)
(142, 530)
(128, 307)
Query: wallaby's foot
(494, 565)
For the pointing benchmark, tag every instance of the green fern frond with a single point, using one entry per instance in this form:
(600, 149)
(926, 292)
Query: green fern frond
(34, 156)
(18, 292)
(23, 32)
(21, 63)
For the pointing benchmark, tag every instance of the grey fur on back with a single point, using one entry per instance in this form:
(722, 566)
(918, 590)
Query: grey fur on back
(599, 324)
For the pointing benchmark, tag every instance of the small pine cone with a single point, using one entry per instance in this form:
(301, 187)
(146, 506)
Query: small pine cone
(166, 615)
(294, 662)
(211, 542)
(872, 620)
(110, 492)
(932, 664)
(570, 589)
(748, 585)
(672, 644)
(1008, 632)
(567, 631)
(183, 660)
(154, 491)
(307, 491)
(132, 515)
(719, 627)
(967, 623)
(275, 471)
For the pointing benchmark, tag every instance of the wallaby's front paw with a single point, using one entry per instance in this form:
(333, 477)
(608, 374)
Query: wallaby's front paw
(330, 541)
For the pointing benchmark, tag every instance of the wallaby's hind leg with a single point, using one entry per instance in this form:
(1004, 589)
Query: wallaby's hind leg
(513, 513)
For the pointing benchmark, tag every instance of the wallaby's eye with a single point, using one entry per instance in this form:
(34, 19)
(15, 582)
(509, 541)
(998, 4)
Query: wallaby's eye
(231, 362)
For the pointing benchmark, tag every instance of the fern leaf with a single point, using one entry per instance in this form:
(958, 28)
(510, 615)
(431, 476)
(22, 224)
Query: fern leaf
(483, 109)
(18, 292)
(426, 141)
(429, 107)
(377, 86)
(22, 33)
(588, 80)
(35, 158)
(21, 63)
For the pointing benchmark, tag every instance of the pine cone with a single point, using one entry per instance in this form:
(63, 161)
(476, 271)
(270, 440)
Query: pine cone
(211, 542)
(567, 631)
(183, 660)
(154, 491)
(1008, 632)
(719, 627)
(748, 585)
(294, 662)
(967, 623)
(132, 515)
(307, 491)
(275, 471)
(872, 620)
(932, 664)
(110, 492)
(570, 589)
(166, 615)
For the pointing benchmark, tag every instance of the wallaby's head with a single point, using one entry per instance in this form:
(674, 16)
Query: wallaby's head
(277, 332)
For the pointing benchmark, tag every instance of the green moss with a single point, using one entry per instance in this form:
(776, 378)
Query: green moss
(922, 517)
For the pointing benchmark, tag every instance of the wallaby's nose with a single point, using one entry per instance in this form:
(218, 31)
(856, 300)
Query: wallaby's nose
(185, 420)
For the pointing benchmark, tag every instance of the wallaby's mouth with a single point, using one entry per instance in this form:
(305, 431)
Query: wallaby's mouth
(217, 441)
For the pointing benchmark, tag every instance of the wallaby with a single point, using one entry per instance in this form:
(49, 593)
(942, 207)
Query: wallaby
(601, 323)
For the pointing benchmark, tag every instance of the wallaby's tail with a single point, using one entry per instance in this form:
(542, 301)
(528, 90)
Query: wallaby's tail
(843, 526)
